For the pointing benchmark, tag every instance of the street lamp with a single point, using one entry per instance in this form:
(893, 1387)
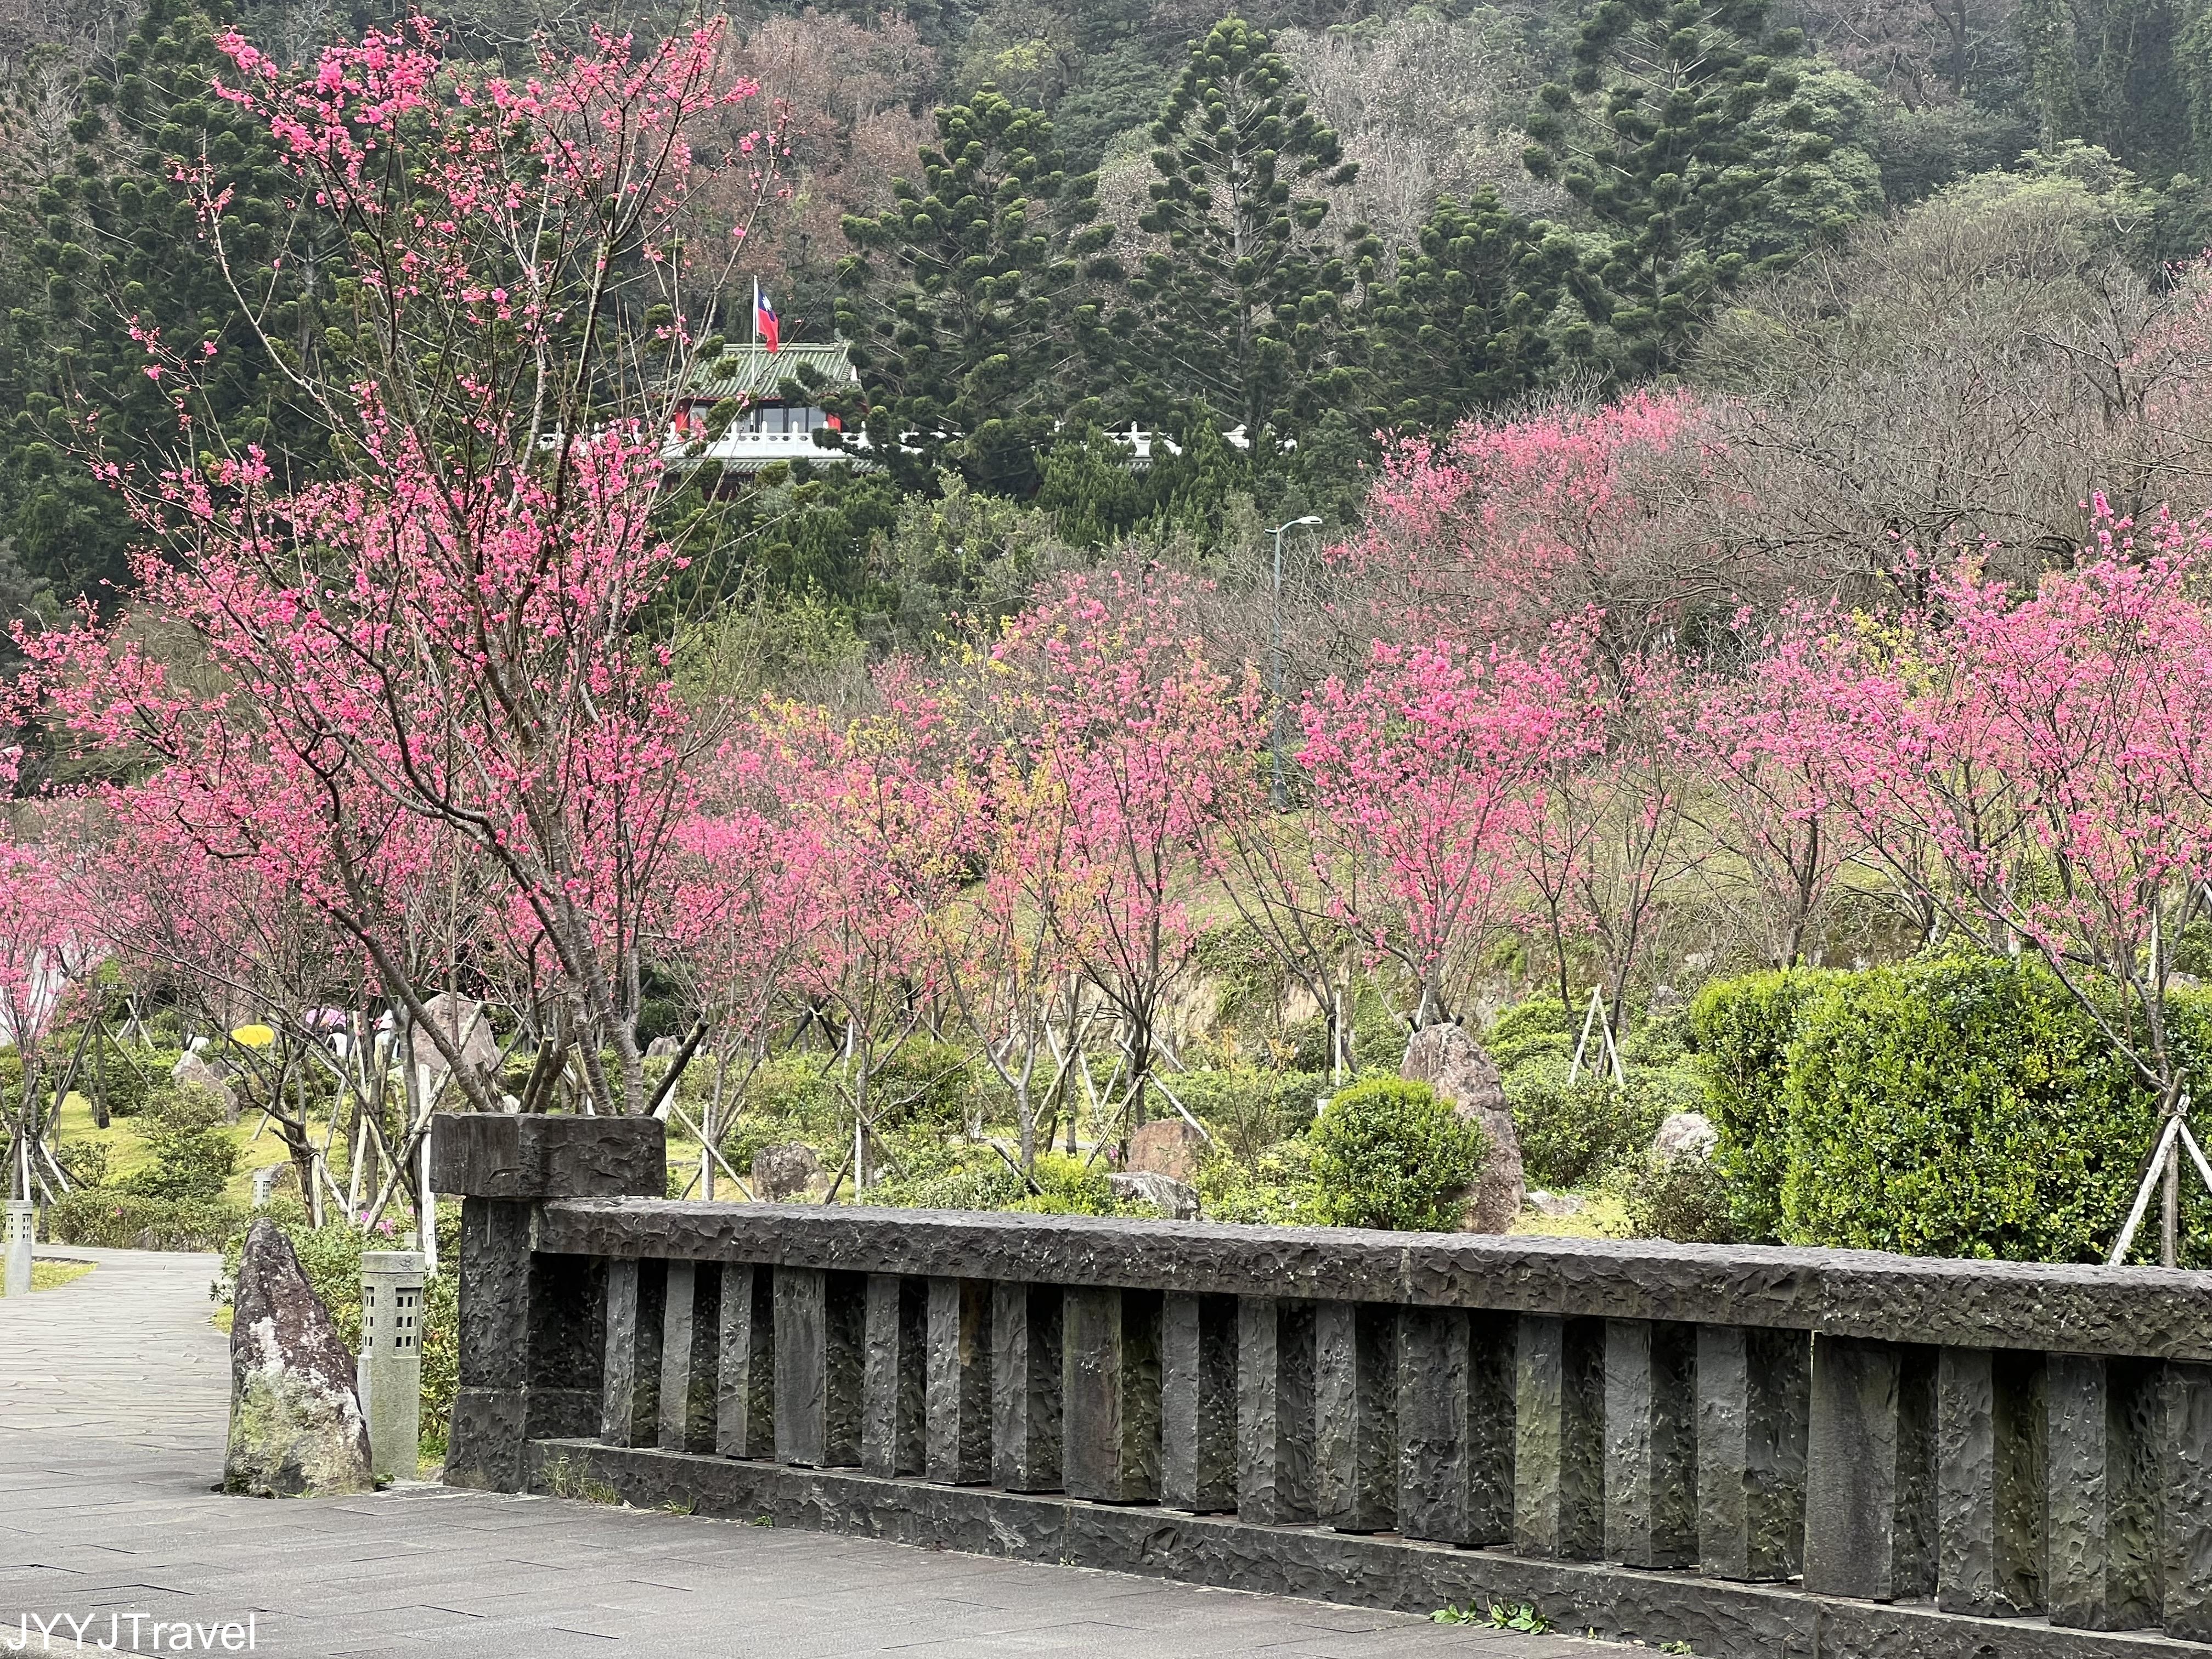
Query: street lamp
(1278, 794)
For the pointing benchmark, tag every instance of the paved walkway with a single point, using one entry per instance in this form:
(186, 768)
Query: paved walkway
(112, 1395)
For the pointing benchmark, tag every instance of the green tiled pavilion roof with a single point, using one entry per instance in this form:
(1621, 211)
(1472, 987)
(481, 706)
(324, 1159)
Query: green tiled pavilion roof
(757, 374)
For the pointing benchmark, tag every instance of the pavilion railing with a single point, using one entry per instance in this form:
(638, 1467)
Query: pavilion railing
(1757, 1450)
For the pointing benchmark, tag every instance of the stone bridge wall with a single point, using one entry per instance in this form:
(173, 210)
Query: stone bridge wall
(1756, 1451)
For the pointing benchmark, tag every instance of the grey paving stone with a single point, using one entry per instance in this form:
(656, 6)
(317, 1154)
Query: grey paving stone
(113, 1392)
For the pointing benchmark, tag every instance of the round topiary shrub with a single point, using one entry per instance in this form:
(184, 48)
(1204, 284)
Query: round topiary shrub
(1960, 1106)
(1388, 1153)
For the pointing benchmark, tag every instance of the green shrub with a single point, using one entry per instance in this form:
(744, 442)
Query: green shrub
(1685, 1199)
(1071, 1187)
(1276, 1189)
(1663, 1042)
(1537, 1028)
(1388, 1153)
(84, 1162)
(931, 1173)
(118, 1220)
(922, 1082)
(125, 1077)
(787, 1099)
(1574, 1133)
(1960, 1106)
(193, 1154)
(1742, 1029)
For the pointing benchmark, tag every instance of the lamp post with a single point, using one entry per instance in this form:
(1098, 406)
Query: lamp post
(1278, 794)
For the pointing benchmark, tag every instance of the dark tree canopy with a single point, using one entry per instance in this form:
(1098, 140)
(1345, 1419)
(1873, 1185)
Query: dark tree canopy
(1652, 136)
(1246, 309)
(970, 303)
(1466, 322)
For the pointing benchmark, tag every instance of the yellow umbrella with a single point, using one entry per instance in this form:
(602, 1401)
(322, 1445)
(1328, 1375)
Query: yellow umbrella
(253, 1036)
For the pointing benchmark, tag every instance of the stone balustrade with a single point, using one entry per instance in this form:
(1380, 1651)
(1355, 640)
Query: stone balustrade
(1754, 1451)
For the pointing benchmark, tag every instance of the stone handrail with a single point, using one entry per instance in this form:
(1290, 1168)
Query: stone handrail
(1752, 1450)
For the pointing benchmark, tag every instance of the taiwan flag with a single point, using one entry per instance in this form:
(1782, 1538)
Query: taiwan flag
(765, 324)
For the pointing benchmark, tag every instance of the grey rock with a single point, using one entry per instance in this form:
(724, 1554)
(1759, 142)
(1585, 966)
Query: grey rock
(1666, 1002)
(781, 1172)
(1176, 1200)
(1685, 1134)
(1453, 1064)
(1555, 1204)
(463, 1022)
(197, 1071)
(663, 1048)
(1169, 1147)
(296, 1429)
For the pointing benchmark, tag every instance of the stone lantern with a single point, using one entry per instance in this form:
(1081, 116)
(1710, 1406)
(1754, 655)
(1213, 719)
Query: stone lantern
(390, 1374)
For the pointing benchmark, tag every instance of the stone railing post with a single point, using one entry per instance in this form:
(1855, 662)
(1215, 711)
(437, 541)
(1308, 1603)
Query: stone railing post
(388, 1374)
(533, 1327)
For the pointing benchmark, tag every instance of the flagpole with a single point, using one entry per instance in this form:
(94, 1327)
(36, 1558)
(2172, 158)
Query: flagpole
(756, 314)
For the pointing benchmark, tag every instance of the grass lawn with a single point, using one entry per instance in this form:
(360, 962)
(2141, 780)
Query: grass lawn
(127, 1152)
(1602, 1216)
(52, 1275)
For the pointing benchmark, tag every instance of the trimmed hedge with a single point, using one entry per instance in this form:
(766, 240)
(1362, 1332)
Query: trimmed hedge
(1742, 1028)
(1960, 1106)
(1575, 1132)
(115, 1220)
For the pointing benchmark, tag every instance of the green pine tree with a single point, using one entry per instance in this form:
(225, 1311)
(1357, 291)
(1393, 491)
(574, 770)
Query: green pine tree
(1464, 324)
(974, 303)
(1654, 138)
(109, 237)
(1246, 309)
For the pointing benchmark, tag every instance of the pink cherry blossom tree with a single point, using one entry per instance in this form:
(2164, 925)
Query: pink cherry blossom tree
(1506, 528)
(42, 938)
(1424, 772)
(1121, 729)
(2036, 766)
(442, 633)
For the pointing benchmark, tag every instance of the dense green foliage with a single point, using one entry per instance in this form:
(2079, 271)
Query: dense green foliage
(1653, 135)
(1960, 1106)
(1946, 1105)
(964, 300)
(109, 239)
(1244, 307)
(1686, 1199)
(193, 1160)
(1743, 1028)
(1466, 322)
(1389, 1154)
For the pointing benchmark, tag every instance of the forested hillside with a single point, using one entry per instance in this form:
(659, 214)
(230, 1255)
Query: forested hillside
(1866, 233)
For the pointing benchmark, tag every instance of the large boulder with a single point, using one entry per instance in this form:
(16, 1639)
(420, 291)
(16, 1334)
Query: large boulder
(462, 1022)
(1168, 1146)
(781, 1172)
(197, 1070)
(296, 1429)
(663, 1048)
(1176, 1200)
(1453, 1064)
